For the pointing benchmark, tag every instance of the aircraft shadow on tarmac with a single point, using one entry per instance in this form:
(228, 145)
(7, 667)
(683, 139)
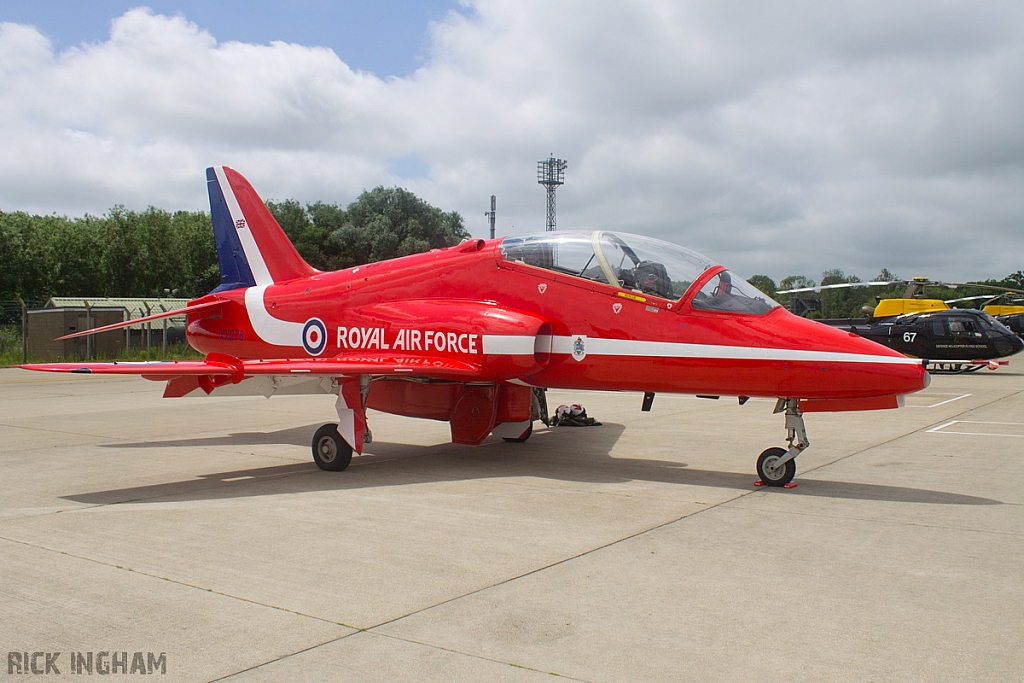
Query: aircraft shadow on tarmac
(295, 436)
(565, 454)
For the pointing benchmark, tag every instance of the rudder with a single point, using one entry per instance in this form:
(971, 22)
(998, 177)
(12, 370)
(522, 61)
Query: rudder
(252, 249)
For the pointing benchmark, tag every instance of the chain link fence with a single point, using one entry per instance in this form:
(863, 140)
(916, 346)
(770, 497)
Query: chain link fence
(28, 330)
(14, 329)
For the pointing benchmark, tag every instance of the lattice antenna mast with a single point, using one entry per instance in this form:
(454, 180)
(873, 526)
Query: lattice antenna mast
(551, 174)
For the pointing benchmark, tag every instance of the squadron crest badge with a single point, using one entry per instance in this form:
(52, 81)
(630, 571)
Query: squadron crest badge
(579, 347)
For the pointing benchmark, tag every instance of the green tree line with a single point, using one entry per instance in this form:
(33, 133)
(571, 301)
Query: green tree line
(123, 253)
(127, 253)
(382, 223)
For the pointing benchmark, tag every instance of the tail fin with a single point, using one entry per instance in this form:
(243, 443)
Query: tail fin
(251, 247)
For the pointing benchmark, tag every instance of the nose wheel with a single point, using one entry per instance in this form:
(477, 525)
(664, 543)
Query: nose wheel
(777, 466)
(773, 470)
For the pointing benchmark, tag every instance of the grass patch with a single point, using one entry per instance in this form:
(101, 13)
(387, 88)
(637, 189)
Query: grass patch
(10, 345)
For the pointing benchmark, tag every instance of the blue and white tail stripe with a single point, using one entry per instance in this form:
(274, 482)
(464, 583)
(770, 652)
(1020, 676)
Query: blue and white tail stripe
(240, 260)
(234, 266)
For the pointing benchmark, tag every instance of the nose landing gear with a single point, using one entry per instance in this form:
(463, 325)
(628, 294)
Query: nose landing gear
(776, 466)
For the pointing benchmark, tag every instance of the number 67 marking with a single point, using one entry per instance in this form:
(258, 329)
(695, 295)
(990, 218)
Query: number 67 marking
(909, 336)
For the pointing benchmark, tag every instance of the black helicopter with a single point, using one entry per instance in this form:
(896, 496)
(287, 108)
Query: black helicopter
(951, 340)
(1009, 313)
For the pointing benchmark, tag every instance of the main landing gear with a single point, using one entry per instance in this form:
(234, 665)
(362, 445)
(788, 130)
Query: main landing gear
(776, 466)
(333, 444)
(330, 451)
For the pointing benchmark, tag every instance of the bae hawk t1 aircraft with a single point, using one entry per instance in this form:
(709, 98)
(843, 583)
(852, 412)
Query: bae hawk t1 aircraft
(466, 334)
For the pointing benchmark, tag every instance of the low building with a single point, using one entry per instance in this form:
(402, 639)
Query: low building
(45, 325)
(65, 315)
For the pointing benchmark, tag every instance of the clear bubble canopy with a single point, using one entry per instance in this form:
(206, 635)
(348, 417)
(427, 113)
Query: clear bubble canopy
(637, 263)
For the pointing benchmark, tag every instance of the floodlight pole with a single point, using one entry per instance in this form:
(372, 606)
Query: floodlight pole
(491, 215)
(551, 174)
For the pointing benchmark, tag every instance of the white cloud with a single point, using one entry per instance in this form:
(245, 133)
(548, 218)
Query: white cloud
(778, 138)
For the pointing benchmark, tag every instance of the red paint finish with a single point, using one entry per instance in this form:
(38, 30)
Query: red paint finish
(283, 262)
(407, 296)
(472, 327)
(474, 415)
(414, 399)
(515, 404)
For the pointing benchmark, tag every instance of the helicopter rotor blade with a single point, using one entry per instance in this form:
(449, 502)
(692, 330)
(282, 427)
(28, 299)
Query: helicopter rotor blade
(981, 285)
(841, 285)
(970, 298)
(928, 283)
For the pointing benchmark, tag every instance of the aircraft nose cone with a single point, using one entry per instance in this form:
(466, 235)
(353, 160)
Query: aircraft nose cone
(1009, 345)
(858, 367)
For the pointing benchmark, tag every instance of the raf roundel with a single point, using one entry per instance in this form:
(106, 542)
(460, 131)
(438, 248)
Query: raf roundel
(314, 336)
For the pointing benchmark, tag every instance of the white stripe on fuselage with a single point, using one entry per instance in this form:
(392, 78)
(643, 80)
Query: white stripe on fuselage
(284, 333)
(508, 344)
(266, 326)
(652, 349)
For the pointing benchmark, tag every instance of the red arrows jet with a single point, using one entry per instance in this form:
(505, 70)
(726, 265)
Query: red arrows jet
(466, 334)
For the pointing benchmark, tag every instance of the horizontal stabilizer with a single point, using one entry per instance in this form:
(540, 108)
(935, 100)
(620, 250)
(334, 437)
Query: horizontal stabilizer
(146, 319)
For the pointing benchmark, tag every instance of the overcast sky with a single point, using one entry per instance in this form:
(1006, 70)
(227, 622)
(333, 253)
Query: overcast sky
(777, 138)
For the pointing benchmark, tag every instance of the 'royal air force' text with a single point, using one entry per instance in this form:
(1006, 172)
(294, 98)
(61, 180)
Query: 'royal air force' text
(407, 340)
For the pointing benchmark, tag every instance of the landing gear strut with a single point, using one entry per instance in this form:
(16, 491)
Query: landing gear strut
(776, 466)
(539, 407)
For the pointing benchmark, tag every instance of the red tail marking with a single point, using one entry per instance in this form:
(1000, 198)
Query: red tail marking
(283, 262)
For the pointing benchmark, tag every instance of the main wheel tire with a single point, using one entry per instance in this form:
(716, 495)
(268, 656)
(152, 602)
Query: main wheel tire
(519, 439)
(331, 452)
(771, 474)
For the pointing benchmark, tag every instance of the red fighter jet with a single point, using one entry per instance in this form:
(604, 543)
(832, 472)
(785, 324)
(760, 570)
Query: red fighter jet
(466, 334)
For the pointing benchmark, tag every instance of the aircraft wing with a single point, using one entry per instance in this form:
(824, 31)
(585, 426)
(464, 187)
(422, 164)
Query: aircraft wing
(223, 366)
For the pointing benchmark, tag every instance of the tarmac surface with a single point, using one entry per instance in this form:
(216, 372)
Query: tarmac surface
(636, 551)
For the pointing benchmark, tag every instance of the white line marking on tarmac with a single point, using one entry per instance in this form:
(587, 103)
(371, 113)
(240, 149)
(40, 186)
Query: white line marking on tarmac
(941, 429)
(940, 403)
